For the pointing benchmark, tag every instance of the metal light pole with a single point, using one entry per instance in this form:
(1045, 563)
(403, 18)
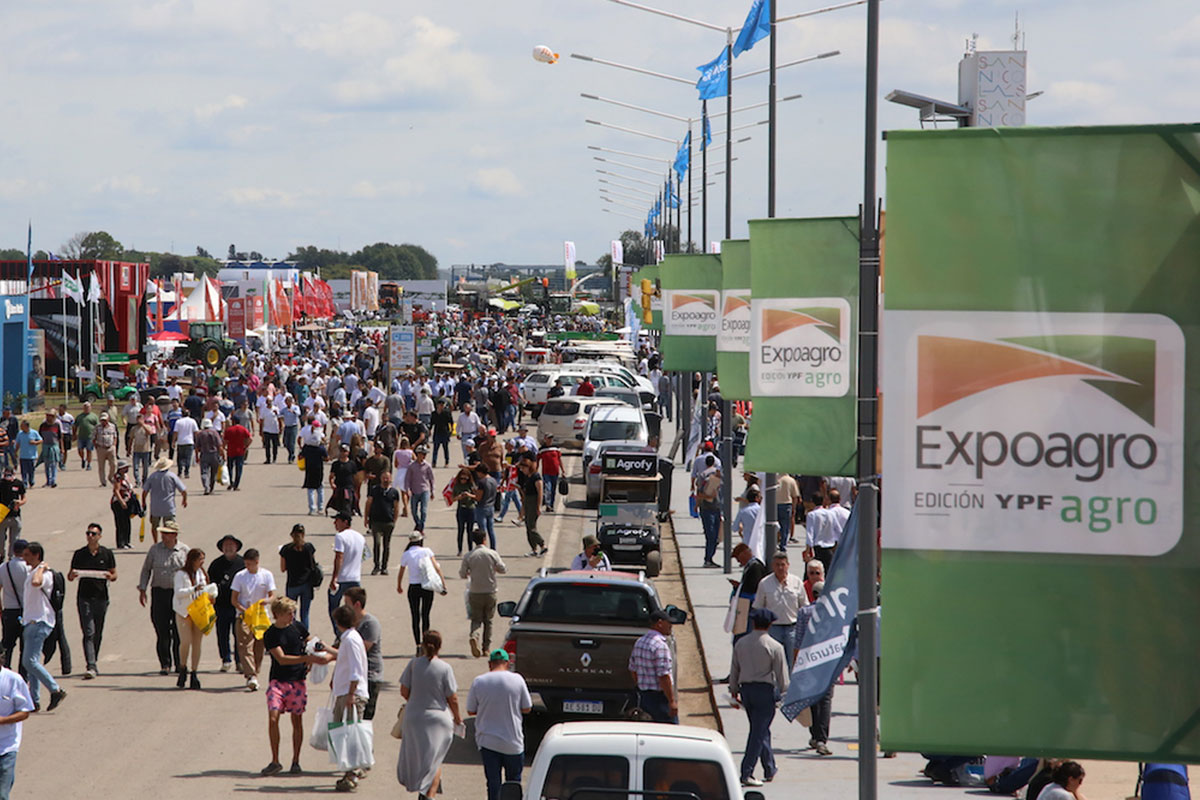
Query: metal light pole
(868, 355)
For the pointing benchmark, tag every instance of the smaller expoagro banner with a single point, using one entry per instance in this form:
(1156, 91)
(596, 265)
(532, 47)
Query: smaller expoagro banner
(802, 359)
(691, 294)
(1039, 362)
(733, 340)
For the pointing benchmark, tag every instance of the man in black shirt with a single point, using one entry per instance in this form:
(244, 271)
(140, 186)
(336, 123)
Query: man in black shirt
(753, 571)
(414, 430)
(343, 480)
(286, 641)
(221, 572)
(12, 495)
(383, 504)
(442, 422)
(92, 598)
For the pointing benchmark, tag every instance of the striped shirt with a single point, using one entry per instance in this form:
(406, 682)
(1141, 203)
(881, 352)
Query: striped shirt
(650, 659)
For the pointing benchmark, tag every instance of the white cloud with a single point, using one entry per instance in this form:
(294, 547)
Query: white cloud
(353, 36)
(263, 196)
(125, 184)
(13, 188)
(498, 182)
(367, 190)
(230, 103)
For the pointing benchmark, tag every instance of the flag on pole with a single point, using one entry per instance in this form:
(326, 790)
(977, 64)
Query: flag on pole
(617, 251)
(93, 295)
(684, 157)
(672, 196)
(29, 253)
(757, 26)
(714, 78)
(707, 132)
(569, 262)
(71, 287)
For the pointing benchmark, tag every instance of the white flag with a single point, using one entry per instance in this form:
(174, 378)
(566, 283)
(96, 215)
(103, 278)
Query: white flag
(569, 262)
(93, 295)
(617, 251)
(71, 287)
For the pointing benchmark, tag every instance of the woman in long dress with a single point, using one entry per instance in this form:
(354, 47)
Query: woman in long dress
(430, 717)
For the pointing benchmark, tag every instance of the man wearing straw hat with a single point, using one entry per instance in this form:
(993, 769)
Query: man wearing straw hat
(161, 486)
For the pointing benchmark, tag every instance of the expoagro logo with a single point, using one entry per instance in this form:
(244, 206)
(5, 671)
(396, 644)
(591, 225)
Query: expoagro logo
(691, 312)
(735, 322)
(801, 346)
(1036, 432)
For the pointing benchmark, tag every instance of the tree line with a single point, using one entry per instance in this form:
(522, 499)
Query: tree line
(391, 261)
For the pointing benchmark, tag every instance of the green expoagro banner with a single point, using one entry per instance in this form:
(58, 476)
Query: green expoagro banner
(691, 298)
(1041, 320)
(733, 340)
(803, 328)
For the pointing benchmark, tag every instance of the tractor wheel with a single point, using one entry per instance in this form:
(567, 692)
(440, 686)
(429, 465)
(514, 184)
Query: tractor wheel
(653, 563)
(211, 354)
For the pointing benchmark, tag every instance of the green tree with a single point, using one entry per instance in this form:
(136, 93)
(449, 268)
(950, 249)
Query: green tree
(12, 254)
(97, 244)
(202, 253)
(428, 261)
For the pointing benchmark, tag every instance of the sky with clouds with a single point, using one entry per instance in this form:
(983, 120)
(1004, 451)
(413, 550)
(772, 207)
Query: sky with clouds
(278, 123)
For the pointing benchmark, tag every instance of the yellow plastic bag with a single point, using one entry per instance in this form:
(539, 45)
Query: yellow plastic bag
(256, 619)
(3, 511)
(202, 614)
(301, 463)
(142, 531)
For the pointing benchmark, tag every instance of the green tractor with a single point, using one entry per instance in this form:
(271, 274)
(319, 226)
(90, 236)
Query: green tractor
(208, 343)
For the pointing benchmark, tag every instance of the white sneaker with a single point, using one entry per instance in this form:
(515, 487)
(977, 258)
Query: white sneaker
(226, 666)
(751, 781)
(252, 684)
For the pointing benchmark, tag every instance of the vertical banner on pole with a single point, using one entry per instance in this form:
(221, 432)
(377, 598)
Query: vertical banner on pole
(803, 325)
(617, 252)
(402, 349)
(1042, 342)
(237, 318)
(733, 340)
(691, 299)
(569, 263)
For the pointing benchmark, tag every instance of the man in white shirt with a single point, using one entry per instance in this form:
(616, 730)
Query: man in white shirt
(15, 706)
(39, 618)
(782, 593)
(497, 699)
(252, 585)
(371, 420)
(184, 436)
(349, 678)
(819, 540)
(468, 426)
(348, 546)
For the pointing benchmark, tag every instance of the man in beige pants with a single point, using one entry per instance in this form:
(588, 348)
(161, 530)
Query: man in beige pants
(481, 565)
(104, 437)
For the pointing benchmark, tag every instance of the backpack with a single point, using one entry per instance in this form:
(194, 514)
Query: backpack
(58, 590)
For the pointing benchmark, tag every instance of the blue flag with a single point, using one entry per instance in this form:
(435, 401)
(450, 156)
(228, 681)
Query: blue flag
(29, 253)
(757, 26)
(657, 208)
(714, 78)
(672, 197)
(684, 157)
(707, 133)
(827, 635)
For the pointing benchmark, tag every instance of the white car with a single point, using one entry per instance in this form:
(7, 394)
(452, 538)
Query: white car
(616, 424)
(565, 417)
(631, 759)
(538, 384)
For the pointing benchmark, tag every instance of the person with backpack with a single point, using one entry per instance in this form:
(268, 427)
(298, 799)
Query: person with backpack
(57, 640)
(92, 597)
(13, 575)
(39, 617)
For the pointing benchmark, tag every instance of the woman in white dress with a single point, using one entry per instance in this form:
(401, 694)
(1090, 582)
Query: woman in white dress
(400, 461)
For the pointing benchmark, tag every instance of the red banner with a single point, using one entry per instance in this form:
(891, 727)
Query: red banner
(237, 318)
(255, 313)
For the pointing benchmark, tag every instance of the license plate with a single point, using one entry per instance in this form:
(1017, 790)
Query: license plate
(583, 707)
(628, 540)
(627, 547)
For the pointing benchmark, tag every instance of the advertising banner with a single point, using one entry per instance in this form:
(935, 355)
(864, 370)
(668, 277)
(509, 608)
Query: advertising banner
(803, 345)
(402, 349)
(1039, 328)
(733, 340)
(691, 296)
(569, 262)
(255, 312)
(237, 318)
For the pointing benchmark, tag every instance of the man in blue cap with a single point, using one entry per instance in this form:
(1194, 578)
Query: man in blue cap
(757, 677)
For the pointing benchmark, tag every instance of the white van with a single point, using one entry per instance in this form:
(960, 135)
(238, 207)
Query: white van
(631, 759)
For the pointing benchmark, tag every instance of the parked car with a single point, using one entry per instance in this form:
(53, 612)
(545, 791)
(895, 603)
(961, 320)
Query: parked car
(571, 635)
(565, 417)
(629, 397)
(539, 383)
(631, 759)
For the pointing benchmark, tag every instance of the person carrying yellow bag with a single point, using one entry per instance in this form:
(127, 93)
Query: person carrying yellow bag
(192, 587)
(252, 589)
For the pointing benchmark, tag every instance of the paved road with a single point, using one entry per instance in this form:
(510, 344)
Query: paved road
(131, 733)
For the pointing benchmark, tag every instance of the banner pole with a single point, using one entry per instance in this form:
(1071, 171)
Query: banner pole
(868, 321)
(689, 202)
(703, 177)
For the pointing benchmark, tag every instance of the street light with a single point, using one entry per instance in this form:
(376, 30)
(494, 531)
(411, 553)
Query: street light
(623, 164)
(620, 185)
(632, 131)
(627, 153)
(624, 177)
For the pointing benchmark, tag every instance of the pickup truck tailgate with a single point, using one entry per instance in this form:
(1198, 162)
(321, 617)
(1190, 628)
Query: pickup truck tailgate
(581, 661)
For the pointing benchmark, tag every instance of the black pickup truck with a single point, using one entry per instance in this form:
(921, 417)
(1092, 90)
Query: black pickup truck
(571, 635)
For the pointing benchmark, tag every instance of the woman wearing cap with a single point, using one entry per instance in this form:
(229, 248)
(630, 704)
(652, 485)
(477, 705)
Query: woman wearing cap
(420, 599)
(190, 583)
(430, 716)
(298, 560)
(124, 505)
